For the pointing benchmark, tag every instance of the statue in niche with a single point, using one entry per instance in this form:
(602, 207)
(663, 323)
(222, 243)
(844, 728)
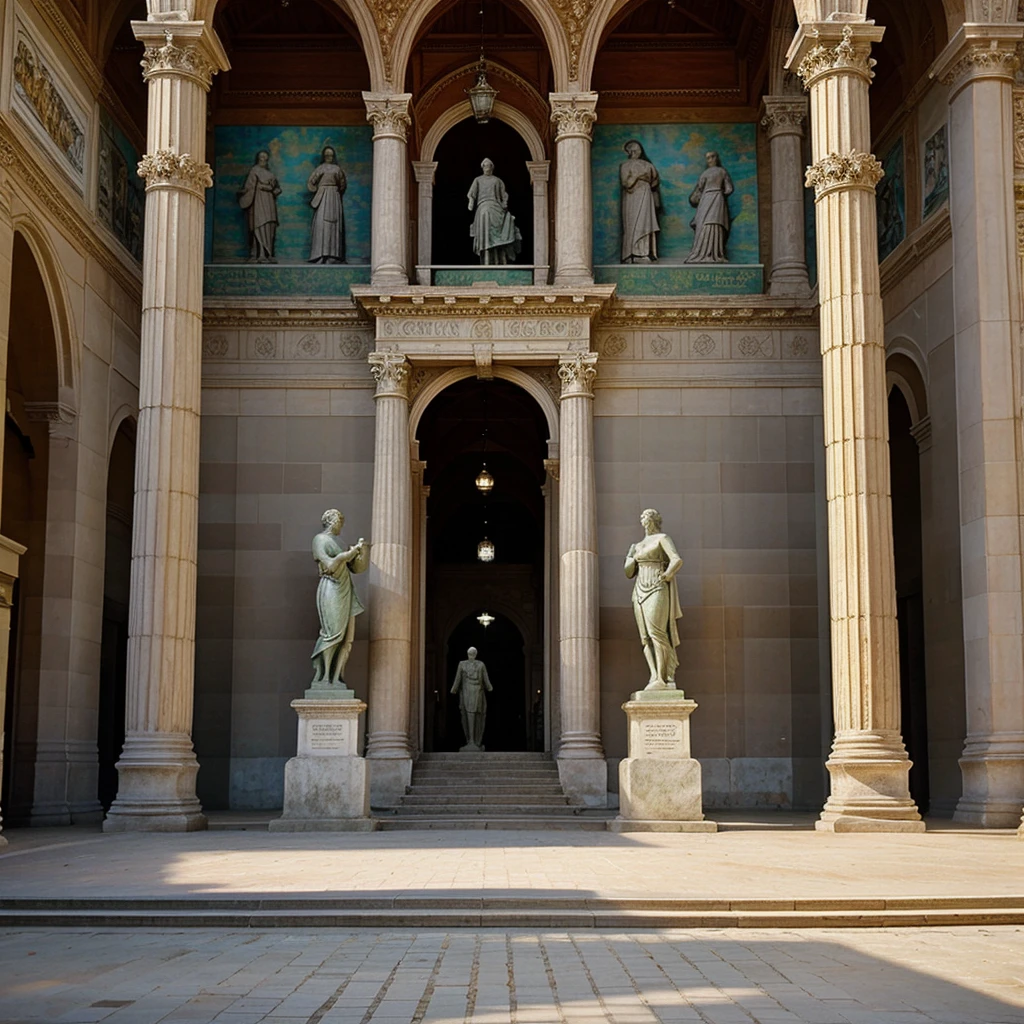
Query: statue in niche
(470, 684)
(711, 221)
(654, 562)
(496, 239)
(641, 200)
(337, 602)
(258, 197)
(327, 235)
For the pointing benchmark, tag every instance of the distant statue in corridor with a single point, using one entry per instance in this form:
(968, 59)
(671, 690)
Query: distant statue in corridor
(654, 562)
(496, 239)
(641, 200)
(472, 685)
(337, 602)
(327, 234)
(711, 222)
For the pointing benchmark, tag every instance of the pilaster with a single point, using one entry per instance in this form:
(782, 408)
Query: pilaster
(868, 765)
(389, 115)
(574, 115)
(424, 171)
(540, 172)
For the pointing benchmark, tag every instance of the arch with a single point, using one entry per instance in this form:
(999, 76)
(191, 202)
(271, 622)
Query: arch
(57, 297)
(122, 415)
(409, 28)
(514, 118)
(783, 26)
(593, 35)
(530, 385)
(903, 371)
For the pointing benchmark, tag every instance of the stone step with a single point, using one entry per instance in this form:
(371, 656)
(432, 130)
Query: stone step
(442, 791)
(490, 799)
(486, 807)
(487, 773)
(493, 822)
(486, 756)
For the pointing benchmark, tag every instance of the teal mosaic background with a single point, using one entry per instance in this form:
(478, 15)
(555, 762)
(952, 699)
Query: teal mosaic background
(707, 279)
(294, 155)
(501, 275)
(120, 192)
(891, 201)
(677, 151)
(259, 281)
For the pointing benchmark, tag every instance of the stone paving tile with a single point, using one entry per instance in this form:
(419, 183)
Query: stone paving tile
(332, 976)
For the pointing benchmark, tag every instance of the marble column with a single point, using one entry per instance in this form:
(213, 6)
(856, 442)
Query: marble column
(581, 764)
(540, 172)
(868, 765)
(784, 119)
(157, 769)
(424, 171)
(574, 115)
(978, 66)
(390, 598)
(389, 115)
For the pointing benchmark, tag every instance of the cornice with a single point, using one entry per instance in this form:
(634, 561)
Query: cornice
(315, 315)
(933, 234)
(656, 313)
(432, 302)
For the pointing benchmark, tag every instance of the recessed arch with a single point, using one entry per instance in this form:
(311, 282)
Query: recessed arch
(903, 371)
(454, 115)
(597, 24)
(126, 416)
(529, 384)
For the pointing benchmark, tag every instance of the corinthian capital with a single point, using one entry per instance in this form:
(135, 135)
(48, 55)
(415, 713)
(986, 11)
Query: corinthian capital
(577, 373)
(187, 49)
(388, 113)
(391, 372)
(838, 170)
(784, 115)
(574, 114)
(850, 55)
(979, 51)
(166, 169)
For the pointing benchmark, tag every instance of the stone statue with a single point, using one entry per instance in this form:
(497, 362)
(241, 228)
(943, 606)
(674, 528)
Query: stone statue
(654, 563)
(711, 221)
(641, 200)
(258, 196)
(336, 600)
(496, 239)
(327, 235)
(470, 683)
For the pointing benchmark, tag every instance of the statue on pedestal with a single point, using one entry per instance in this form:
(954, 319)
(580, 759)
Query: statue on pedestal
(470, 683)
(654, 563)
(327, 234)
(711, 222)
(641, 198)
(258, 197)
(337, 602)
(496, 239)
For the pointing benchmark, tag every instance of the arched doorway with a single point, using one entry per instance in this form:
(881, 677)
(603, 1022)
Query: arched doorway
(469, 423)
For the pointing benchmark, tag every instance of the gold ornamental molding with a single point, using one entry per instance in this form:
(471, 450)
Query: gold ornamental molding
(432, 303)
(635, 315)
(165, 169)
(849, 56)
(843, 171)
(254, 317)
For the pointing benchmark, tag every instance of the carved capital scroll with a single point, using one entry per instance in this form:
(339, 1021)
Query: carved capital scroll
(172, 59)
(837, 171)
(389, 114)
(577, 374)
(390, 370)
(165, 169)
(574, 114)
(981, 61)
(784, 115)
(850, 56)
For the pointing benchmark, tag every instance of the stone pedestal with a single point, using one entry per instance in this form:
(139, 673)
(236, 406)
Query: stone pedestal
(660, 783)
(326, 786)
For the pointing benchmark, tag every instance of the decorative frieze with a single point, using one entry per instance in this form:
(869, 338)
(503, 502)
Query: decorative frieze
(574, 115)
(849, 170)
(389, 115)
(166, 169)
(847, 56)
(172, 59)
(391, 374)
(578, 374)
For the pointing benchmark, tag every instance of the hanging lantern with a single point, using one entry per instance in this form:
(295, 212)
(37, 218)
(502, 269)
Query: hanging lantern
(484, 480)
(485, 619)
(485, 550)
(481, 98)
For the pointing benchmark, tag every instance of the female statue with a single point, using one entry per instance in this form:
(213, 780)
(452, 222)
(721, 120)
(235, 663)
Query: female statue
(258, 196)
(654, 562)
(336, 600)
(641, 199)
(496, 239)
(327, 236)
(711, 221)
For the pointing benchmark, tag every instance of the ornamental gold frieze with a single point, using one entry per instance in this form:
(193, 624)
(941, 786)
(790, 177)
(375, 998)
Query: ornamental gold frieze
(626, 317)
(518, 329)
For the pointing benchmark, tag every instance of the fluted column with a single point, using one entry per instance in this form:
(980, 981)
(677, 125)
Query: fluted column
(868, 764)
(574, 115)
(390, 599)
(157, 770)
(581, 763)
(424, 171)
(389, 115)
(540, 172)
(784, 119)
(978, 66)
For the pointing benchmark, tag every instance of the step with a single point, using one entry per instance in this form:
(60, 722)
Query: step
(475, 810)
(487, 776)
(485, 756)
(440, 791)
(415, 799)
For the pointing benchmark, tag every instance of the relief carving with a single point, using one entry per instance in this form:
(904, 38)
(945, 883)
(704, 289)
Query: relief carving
(391, 373)
(854, 170)
(577, 375)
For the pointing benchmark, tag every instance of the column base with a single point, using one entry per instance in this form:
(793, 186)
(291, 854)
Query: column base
(390, 778)
(387, 277)
(156, 789)
(795, 287)
(584, 780)
(993, 774)
(580, 279)
(870, 792)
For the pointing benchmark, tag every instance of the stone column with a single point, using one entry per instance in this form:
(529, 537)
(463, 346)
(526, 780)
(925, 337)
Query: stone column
(424, 171)
(389, 115)
(157, 770)
(574, 116)
(869, 764)
(784, 120)
(978, 65)
(540, 172)
(390, 598)
(581, 764)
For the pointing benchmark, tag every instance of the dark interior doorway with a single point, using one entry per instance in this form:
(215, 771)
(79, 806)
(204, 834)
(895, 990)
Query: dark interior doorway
(458, 157)
(905, 473)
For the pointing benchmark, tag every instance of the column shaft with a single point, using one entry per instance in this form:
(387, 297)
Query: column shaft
(979, 66)
(784, 120)
(390, 598)
(581, 764)
(424, 171)
(868, 765)
(574, 116)
(540, 171)
(389, 115)
(157, 770)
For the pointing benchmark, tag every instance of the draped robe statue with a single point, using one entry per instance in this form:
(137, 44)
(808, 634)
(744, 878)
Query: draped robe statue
(641, 198)
(258, 197)
(496, 239)
(470, 683)
(327, 233)
(711, 222)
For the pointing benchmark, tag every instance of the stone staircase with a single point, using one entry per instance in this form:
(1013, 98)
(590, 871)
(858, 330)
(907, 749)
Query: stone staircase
(494, 791)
